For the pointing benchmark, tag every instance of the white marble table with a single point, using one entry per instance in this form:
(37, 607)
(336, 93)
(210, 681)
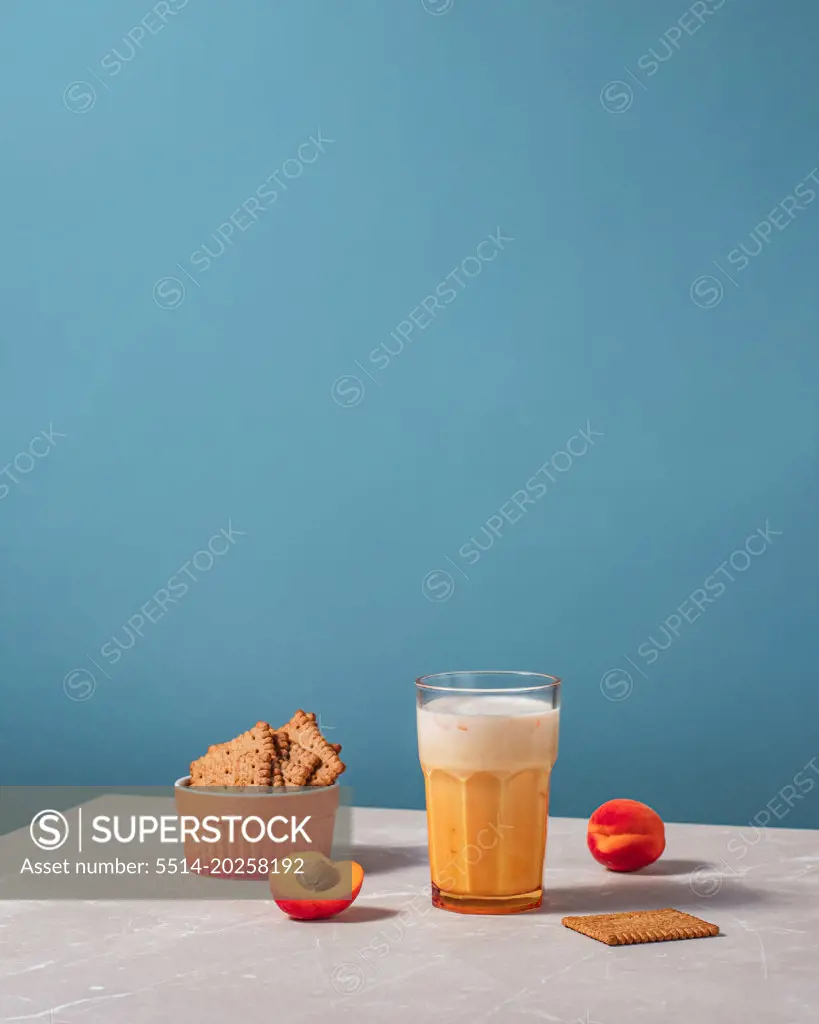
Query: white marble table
(392, 957)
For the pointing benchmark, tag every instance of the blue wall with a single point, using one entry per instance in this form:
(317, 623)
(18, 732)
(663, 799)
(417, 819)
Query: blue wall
(294, 386)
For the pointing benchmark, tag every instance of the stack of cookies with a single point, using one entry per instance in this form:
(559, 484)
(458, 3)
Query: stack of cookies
(296, 754)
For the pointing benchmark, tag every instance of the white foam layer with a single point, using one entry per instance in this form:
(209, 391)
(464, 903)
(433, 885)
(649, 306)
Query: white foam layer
(487, 733)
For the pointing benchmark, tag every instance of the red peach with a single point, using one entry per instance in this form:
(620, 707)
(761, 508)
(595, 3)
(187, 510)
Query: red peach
(321, 889)
(625, 835)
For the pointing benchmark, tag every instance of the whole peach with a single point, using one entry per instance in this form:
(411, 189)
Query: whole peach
(625, 835)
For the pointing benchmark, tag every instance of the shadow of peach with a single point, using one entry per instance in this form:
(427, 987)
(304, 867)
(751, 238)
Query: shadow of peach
(364, 915)
(353, 915)
(670, 866)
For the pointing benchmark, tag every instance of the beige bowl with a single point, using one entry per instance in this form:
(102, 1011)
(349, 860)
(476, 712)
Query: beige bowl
(242, 857)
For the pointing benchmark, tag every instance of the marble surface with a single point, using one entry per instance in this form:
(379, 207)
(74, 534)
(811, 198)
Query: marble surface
(392, 957)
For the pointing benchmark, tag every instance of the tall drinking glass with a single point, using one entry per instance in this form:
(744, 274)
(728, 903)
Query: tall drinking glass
(487, 742)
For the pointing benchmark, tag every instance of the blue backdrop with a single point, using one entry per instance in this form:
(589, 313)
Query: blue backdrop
(346, 342)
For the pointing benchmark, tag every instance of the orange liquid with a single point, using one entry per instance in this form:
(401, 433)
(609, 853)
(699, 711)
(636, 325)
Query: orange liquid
(487, 834)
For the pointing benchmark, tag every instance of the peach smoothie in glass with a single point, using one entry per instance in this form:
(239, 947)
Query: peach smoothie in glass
(487, 742)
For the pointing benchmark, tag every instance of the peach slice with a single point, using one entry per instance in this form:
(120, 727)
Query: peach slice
(320, 889)
(625, 835)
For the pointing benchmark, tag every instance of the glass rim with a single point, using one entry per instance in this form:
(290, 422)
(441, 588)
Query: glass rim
(428, 682)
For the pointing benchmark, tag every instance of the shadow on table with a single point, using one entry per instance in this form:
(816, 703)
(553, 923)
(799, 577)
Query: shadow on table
(364, 915)
(672, 867)
(676, 883)
(353, 915)
(378, 859)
